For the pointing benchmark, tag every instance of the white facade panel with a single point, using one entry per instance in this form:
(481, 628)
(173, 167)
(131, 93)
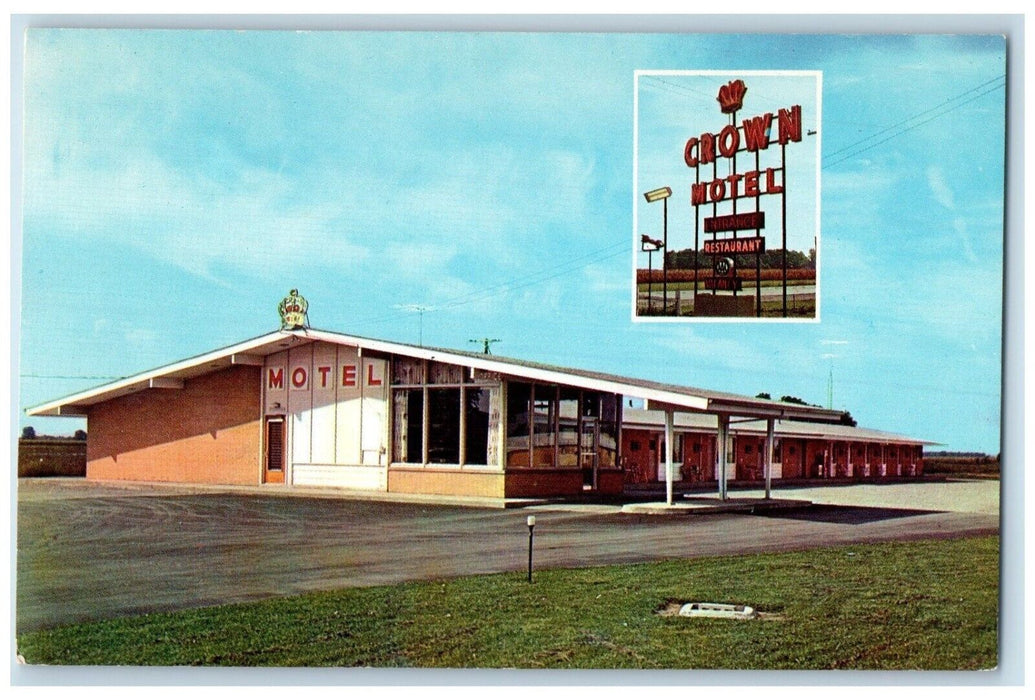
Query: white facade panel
(349, 477)
(324, 389)
(335, 403)
(275, 383)
(300, 403)
(374, 412)
(350, 416)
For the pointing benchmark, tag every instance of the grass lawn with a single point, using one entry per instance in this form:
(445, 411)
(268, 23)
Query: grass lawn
(906, 605)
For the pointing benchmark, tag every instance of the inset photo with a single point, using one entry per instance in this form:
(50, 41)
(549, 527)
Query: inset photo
(727, 183)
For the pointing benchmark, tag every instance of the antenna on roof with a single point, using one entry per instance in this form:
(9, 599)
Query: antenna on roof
(486, 342)
(420, 309)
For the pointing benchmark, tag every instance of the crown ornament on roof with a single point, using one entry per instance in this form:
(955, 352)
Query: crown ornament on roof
(294, 311)
(731, 96)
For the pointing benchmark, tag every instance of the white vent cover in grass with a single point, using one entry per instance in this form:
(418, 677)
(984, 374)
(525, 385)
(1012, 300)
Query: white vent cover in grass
(723, 610)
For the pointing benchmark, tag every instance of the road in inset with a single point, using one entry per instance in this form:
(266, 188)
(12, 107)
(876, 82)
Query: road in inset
(86, 551)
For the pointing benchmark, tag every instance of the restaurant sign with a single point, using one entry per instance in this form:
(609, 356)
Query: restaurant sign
(735, 246)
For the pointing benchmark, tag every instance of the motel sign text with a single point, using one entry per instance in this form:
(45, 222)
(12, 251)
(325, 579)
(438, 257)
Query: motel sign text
(299, 377)
(757, 130)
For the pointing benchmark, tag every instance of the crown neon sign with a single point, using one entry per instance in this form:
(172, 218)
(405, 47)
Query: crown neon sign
(753, 135)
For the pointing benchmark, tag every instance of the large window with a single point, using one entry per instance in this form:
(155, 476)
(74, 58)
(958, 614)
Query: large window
(568, 432)
(408, 421)
(544, 426)
(440, 415)
(609, 431)
(478, 406)
(444, 426)
(550, 427)
(519, 429)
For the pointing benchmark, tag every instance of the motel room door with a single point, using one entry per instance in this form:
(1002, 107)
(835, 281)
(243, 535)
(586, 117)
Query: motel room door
(273, 462)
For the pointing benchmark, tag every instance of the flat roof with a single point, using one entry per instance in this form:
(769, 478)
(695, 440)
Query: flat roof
(676, 397)
(641, 418)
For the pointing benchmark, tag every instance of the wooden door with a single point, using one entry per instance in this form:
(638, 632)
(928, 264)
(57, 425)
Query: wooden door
(273, 469)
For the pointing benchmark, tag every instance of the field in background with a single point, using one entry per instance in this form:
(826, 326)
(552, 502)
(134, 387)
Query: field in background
(958, 464)
(909, 605)
(51, 456)
(747, 273)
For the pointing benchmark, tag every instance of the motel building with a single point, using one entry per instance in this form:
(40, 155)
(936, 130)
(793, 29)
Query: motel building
(301, 407)
(801, 450)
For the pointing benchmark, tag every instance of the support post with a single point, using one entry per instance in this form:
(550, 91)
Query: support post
(668, 455)
(767, 465)
(724, 429)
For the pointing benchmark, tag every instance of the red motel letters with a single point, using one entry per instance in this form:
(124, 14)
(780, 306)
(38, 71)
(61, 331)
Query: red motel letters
(300, 377)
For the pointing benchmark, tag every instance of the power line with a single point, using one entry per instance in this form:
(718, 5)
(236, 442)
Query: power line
(944, 107)
(919, 114)
(584, 260)
(909, 128)
(675, 88)
(66, 376)
(510, 287)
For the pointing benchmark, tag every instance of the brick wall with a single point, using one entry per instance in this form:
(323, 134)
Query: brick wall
(543, 482)
(206, 432)
(445, 482)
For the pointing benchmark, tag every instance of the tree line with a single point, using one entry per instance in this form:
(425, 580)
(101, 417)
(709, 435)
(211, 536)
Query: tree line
(771, 259)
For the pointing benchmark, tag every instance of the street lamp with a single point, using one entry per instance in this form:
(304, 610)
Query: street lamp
(531, 527)
(662, 193)
(649, 245)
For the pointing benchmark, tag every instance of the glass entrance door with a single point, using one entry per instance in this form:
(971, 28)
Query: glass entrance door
(589, 453)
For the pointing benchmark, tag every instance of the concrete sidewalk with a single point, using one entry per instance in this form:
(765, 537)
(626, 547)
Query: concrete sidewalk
(703, 506)
(70, 487)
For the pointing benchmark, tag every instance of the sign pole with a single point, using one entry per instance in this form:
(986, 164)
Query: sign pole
(758, 256)
(697, 223)
(733, 169)
(783, 217)
(664, 256)
(650, 281)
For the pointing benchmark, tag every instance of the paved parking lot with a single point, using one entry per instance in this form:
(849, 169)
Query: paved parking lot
(90, 551)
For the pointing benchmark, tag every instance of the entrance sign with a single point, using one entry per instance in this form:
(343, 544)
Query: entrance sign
(735, 222)
(754, 183)
(744, 176)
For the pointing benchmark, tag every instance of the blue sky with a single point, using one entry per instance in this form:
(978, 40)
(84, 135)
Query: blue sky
(178, 183)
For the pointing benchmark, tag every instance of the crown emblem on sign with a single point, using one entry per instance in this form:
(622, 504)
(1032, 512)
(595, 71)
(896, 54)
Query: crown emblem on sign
(294, 311)
(731, 96)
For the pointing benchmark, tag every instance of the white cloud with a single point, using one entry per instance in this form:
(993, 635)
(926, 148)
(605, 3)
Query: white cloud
(940, 187)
